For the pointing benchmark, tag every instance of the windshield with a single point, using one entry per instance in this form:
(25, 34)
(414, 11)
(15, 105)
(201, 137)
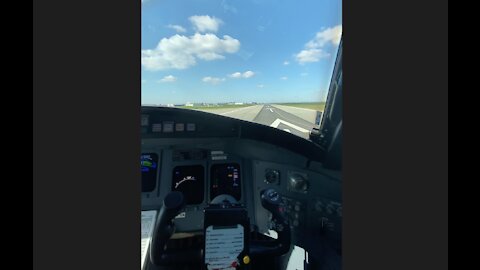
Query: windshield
(264, 61)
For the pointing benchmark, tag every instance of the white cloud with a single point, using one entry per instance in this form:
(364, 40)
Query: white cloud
(248, 74)
(144, 81)
(213, 80)
(260, 85)
(205, 23)
(284, 78)
(169, 78)
(286, 63)
(313, 50)
(310, 55)
(237, 75)
(178, 28)
(181, 52)
(330, 35)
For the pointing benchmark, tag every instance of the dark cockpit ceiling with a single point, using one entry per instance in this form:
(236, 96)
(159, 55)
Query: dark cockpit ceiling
(204, 155)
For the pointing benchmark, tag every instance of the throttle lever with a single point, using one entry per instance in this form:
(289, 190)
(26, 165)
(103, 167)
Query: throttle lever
(271, 201)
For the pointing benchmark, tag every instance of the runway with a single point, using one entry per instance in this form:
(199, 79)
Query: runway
(297, 121)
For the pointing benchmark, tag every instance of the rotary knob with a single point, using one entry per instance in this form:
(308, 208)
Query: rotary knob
(298, 183)
(272, 176)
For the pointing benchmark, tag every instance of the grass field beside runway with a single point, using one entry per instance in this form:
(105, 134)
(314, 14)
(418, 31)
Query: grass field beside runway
(318, 106)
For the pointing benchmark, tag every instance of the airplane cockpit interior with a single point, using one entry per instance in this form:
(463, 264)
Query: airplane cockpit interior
(223, 193)
(235, 110)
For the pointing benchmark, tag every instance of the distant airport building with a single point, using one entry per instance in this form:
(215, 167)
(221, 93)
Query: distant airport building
(238, 103)
(188, 104)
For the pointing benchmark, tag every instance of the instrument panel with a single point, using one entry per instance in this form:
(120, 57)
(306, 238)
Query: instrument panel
(311, 195)
(201, 174)
(227, 156)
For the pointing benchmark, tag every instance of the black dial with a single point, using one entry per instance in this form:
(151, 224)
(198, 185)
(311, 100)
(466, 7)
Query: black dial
(272, 176)
(298, 183)
(190, 181)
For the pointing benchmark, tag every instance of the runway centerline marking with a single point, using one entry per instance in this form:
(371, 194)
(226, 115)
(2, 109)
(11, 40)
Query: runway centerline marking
(270, 110)
(280, 121)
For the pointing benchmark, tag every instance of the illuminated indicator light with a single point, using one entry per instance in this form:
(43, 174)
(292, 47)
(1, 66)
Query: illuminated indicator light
(146, 163)
(246, 259)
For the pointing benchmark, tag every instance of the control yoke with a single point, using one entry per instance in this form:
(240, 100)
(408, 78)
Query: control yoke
(164, 228)
(174, 202)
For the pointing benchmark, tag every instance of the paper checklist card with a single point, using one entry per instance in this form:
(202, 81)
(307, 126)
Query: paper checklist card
(148, 222)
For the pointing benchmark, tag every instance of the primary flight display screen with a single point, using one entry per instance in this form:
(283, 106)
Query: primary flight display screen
(149, 165)
(190, 181)
(225, 179)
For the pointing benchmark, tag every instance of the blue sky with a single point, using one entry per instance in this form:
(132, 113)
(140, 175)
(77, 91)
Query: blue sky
(262, 51)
